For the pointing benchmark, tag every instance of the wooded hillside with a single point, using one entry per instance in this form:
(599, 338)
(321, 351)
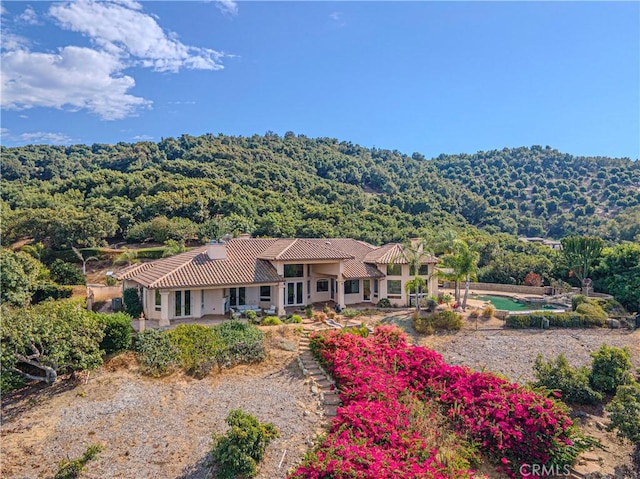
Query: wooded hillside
(202, 187)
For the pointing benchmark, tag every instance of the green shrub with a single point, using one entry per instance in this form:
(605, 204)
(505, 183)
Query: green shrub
(577, 300)
(66, 273)
(238, 453)
(199, 348)
(110, 281)
(610, 368)
(51, 291)
(71, 469)
(556, 320)
(308, 312)
(447, 320)
(251, 315)
(270, 321)
(384, 303)
(150, 253)
(244, 343)
(118, 332)
(444, 320)
(592, 313)
(350, 313)
(132, 303)
(572, 383)
(361, 330)
(624, 412)
(10, 380)
(294, 319)
(155, 353)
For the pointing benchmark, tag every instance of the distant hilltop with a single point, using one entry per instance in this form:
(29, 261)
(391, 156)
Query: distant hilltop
(294, 186)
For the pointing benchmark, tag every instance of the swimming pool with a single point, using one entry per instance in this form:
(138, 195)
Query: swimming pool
(507, 304)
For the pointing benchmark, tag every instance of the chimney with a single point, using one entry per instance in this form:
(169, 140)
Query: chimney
(217, 250)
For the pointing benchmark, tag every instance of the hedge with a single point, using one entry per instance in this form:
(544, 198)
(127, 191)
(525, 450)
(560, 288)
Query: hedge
(51, 291)
(556, 320)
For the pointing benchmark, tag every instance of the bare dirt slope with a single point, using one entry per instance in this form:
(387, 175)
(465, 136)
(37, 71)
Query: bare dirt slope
(157, 428)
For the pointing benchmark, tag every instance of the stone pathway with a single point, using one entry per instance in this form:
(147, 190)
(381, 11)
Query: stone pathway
(321, 383)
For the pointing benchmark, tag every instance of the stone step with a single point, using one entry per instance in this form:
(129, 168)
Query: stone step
(331, 399)
(330, 411)
(325, 384)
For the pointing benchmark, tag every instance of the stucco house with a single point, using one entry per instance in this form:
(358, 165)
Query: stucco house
(272, 274)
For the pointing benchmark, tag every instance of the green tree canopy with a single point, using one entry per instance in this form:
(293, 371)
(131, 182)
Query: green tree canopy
(53, 337)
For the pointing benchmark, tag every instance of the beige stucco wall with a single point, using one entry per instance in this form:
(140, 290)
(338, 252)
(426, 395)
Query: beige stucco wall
(402, 299)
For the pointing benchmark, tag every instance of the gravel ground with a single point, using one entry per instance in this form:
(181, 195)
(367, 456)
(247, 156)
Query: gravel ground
(161, 428)
(513, 353)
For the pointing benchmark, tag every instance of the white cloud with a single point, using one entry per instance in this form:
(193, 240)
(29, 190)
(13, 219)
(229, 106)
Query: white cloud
(11, 41)
(143, 138)
(47, 137)
(29, 16)
(37, 137)
(123, 29)
(74, 78)
(227, 6)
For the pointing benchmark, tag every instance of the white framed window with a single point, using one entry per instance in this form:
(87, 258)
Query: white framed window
(322, 286)
(394, 269)
(265, 293)
(423, 270)
(352, 286)
(394, 287)
(158, 302)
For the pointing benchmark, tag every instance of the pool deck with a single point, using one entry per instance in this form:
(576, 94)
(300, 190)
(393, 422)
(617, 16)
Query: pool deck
(478, 303)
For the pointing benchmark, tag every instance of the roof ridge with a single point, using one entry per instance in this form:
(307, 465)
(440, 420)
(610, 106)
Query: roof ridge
(277, 257)
(179, 267)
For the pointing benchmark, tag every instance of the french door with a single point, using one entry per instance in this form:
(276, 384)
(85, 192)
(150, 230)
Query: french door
(295, 291)
(182, 303)
(366, 288)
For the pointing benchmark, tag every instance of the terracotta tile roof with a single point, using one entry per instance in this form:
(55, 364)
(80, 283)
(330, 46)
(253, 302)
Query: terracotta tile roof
(248, 262)
(298, 249)
(391, 253)
(356, 267)
(194, 268)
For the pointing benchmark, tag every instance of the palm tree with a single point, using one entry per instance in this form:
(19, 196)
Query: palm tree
(83, 259)
(418, 285)
(463, 262)
(415, 253)
(450, 261)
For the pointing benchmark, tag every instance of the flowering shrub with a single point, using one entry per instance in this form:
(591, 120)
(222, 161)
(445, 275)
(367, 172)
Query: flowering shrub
(373, 436)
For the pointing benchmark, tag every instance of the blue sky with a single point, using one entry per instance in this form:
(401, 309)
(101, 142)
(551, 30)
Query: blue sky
(431, 77)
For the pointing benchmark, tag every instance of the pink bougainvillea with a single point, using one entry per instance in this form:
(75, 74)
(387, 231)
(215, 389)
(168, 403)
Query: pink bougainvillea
(370, 436)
